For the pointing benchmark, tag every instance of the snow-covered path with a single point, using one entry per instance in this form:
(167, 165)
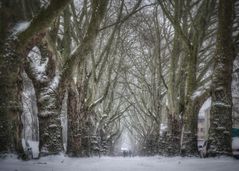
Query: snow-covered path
(60, 163)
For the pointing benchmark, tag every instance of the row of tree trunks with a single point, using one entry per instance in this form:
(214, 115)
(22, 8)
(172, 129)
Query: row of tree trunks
(195, 37)
(77, 109)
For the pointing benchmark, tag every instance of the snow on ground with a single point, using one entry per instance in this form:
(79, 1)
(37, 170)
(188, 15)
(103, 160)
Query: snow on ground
(235, 143)
(34, 145)
(61, 163)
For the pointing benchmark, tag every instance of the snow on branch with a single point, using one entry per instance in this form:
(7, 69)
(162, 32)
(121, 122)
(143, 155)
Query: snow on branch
(42, 21)
(221, 104)
(20, 27)
(37, 65)
(99, 100)
(201, 90)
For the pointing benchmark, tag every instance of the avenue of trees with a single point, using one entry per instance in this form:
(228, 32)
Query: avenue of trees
(86, 71)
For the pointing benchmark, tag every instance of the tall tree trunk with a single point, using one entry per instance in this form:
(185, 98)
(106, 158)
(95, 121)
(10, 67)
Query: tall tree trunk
(221, 110)
(12, 47)
(172, 87)
(77, 144)
(11, 63)
(50, 132)
(10, 101)
(189, 130)
(73, 131)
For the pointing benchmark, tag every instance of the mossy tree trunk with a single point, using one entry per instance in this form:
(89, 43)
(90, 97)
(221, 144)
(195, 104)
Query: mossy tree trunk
(10, 99)
(50, 132)
(12, 54)
(10, 69)
(74, 131)
(221, 110)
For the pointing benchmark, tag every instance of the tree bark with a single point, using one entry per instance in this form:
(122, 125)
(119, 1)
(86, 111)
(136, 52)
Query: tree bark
(11, 61)
(10, 68)
(221, 110)
(74, 131)
(189, 138)
(50, 132)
